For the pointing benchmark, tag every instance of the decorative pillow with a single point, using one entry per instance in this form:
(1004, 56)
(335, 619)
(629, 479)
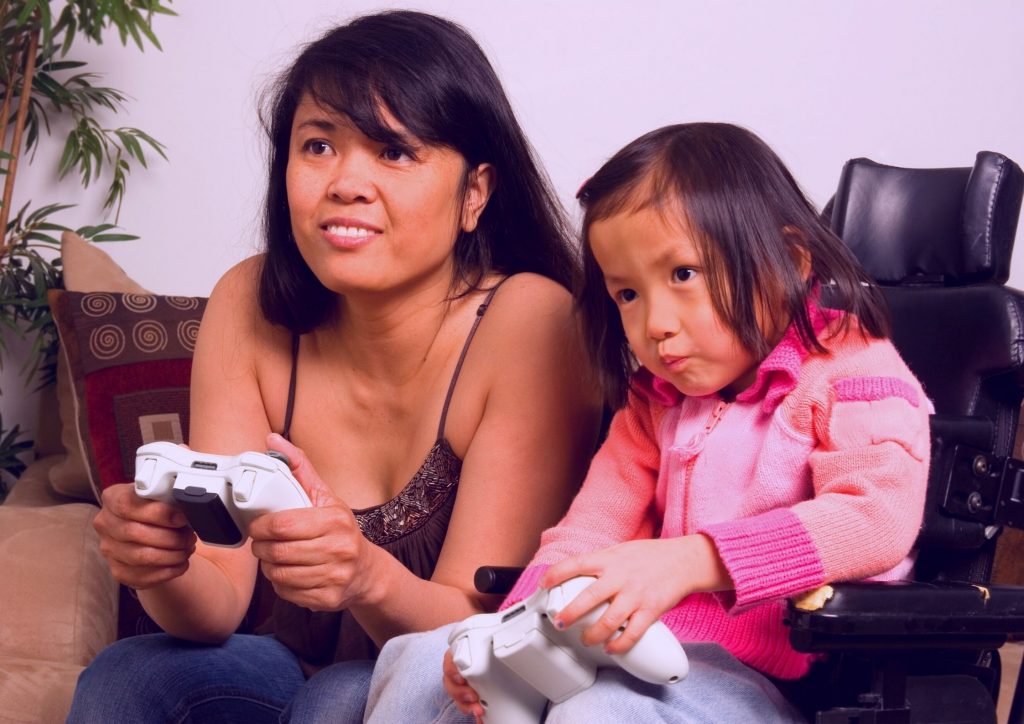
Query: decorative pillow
(87, 268)
(130, 362)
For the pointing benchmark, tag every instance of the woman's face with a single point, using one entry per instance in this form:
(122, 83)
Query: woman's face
(373, 217)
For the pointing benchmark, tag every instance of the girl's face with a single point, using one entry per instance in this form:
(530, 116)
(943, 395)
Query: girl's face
(652, 271)
(367, 216)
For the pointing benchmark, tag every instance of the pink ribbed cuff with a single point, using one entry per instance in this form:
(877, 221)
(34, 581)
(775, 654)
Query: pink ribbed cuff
(528, 582)
(768, 556)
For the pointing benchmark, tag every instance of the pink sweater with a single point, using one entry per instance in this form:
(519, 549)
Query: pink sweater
(816, 473)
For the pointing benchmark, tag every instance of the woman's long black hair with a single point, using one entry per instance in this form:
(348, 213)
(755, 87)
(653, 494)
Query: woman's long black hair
(436, 81)
(753, 227)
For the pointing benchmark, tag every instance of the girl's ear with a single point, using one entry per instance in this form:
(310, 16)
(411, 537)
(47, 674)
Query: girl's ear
(480, 184)
(798, 248)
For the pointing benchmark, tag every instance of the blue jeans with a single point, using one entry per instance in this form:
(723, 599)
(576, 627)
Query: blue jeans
(159, 678)
(719, 689)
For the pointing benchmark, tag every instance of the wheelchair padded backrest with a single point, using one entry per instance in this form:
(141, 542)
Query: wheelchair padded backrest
(945, 226)
(939, 243)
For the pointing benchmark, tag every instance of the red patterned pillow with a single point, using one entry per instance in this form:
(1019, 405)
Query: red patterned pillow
(130, 357)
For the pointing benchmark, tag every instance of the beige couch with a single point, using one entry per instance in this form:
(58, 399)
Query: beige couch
(58, 601)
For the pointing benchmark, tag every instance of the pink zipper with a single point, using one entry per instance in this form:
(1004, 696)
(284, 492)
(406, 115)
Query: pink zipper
(716, 415)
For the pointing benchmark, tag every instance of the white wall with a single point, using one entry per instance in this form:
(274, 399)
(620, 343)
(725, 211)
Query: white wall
(915, 83)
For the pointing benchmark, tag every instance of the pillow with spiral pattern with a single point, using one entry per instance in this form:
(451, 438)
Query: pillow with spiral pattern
(130, 359)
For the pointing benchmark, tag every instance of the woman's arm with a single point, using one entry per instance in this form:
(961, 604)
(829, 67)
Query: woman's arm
(522, 463)
(228, 416)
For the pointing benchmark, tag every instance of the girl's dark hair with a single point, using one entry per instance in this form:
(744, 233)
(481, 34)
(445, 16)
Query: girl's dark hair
(753, 226)
(436, 81)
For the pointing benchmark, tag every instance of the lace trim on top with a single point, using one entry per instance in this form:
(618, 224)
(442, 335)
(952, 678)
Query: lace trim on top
(432, 485)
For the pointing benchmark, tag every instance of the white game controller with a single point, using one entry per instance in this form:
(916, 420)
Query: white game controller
(219, 494)
(517, 661)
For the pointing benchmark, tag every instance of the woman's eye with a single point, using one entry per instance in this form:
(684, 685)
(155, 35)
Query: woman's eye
(395, 154)
(683, 274)
(317, 147)
(624, 296)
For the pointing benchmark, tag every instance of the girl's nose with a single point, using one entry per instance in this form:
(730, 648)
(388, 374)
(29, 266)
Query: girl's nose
(351, 180)
(662, 323)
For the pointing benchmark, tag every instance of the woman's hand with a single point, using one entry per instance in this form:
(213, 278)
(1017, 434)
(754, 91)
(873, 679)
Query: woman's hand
(640, 580)
(466, 699)
(314, 557)
(145, 542)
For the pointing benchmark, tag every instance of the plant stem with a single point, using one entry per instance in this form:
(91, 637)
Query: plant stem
(19, 128)
(5, 112)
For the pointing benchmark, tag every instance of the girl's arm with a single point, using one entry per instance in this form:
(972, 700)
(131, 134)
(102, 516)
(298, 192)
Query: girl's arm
(869, 471)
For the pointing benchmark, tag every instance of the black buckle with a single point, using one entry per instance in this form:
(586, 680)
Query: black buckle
(985, 488)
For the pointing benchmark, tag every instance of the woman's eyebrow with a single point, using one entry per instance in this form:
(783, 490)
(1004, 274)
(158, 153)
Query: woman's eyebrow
(320, 124)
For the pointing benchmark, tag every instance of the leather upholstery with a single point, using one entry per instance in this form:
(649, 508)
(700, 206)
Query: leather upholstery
(944, 226)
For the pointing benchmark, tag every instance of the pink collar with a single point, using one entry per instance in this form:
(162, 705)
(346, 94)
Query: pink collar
(777, 374)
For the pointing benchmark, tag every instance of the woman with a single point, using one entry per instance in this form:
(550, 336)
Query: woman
(409, 331)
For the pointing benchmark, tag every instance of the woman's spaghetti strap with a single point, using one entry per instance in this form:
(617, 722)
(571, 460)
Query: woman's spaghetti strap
(286, 432)
(480, 311)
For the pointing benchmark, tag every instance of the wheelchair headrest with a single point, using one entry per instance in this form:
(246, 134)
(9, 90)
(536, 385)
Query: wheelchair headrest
(941, 226)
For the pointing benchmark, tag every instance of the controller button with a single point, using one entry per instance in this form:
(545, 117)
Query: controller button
(243, 488)
(461, 655)
(279, 456)
(144, 475)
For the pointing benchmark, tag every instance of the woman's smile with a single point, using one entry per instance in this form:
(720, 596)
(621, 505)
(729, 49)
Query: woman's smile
(349, 233)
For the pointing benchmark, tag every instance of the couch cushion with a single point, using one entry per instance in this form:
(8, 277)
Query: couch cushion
(87, 268)
(59, 601)
(33, 490)
(130, 362)
(36, 691)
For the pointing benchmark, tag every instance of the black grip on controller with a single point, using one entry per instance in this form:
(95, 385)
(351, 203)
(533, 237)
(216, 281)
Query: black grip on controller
(496, 579)
(208, 516)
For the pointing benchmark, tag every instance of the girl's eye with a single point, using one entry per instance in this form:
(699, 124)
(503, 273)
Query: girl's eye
(624, 296)
(317, 147)
(683, 274)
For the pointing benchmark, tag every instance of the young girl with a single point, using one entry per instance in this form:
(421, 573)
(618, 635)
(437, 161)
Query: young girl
(764, 446)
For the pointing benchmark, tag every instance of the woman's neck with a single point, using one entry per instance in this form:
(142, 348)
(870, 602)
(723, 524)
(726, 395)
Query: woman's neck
(389, 337)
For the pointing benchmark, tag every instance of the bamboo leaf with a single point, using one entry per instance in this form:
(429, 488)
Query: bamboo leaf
(89, 231)
(26, 12)
(115, 237)
(144, 25)
(54, 66)
(45, 238)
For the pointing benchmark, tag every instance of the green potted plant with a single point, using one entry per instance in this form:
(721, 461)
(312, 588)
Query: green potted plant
(39, 83)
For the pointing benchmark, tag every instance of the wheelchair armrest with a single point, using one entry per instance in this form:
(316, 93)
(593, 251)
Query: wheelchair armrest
(496, 579)
(909, 615)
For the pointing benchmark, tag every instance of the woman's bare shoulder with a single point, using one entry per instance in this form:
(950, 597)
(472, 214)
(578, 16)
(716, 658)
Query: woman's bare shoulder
(234, 322)
(527, 300)
(531, 313)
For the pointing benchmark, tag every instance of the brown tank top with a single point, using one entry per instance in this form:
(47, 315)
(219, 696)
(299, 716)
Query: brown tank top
(411, 527)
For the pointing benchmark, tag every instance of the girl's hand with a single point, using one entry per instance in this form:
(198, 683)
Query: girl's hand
(640, 580)
(145, 542)
(314, 557)
(465, 698)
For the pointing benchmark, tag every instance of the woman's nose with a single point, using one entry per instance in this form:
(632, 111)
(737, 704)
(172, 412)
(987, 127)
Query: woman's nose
(351, 179)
